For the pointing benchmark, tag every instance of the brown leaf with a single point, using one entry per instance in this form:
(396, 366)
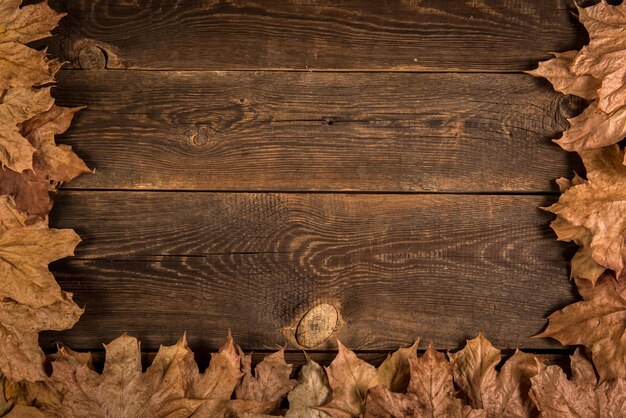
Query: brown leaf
(12, 217)
(312, 391)
(557, 397)
(22, 411)
(217, 384)
(20, 355)
(30, 191)
(598, 72)
(503, 394)
(350, 378)
(122, 390)
(605, 56)
(51, 161)
(27, 24)
(18, 105)
(268, 385)
(598, 322)
(583, 264)
(594, 128)
(22, 68)
(598, 205)
(557, 71)
(223, 374)
(24, 256)
(430, 392)
(52, 164)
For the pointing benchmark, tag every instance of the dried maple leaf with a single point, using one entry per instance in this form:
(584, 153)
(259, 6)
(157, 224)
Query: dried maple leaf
(12, 217)
(597, 205)
(598, 72)
(430, 393)
(53, 162)
(122, 390)
(499, 394)
(24, 256)
(31, 192)
(263, 391)
(18, 105)
(30, 298)
(351, 377)
(598, 322)
(217, 384)
(558, 72)
(22, 68)
(311, 392)
(605, 56)
(557, 397)
(20, 355)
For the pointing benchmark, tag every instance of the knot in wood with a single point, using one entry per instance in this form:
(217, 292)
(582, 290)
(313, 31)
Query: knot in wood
(317, 325)
(199, 135)
(92, 57)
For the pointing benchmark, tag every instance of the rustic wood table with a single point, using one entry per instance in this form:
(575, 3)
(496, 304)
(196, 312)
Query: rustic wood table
(255, 159)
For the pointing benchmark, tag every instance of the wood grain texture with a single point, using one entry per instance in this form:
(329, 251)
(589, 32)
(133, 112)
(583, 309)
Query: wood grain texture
(406, 35)
(156, 264)
(274, 131)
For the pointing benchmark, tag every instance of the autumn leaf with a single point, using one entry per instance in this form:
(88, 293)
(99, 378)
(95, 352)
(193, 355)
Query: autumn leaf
(21, 69)
(558, 397)
(123, 390)
(20, 355)
(12, 217)
(430, 393)
(53, 162)
(597, 205)
(24, 256)
(596, 72)
(499, 394)
(558, 72)
(351, 377)
(30, 192)
(604, 58)
(30, 298)
(312, 391)
(265, 389)
(598, 322)
(18, 105)
(223, 374)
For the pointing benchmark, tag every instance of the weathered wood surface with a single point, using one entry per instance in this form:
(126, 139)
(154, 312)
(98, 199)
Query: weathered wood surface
(317, 131)
(301, 97)
(405, 35)
(444, 267)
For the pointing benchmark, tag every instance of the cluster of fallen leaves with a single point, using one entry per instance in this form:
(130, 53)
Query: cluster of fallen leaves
(592, 212)
(468, 383)
(473, 382)
(31, 166)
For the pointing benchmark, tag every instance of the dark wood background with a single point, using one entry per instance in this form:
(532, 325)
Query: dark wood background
(256, 158)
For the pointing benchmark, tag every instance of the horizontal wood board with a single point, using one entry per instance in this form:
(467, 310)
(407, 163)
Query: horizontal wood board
(293, 131)
(387, 35)
(157, 264)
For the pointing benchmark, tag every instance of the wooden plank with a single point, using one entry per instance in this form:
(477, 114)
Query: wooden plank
(444, 267)
(390, 35)
(275, 131)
